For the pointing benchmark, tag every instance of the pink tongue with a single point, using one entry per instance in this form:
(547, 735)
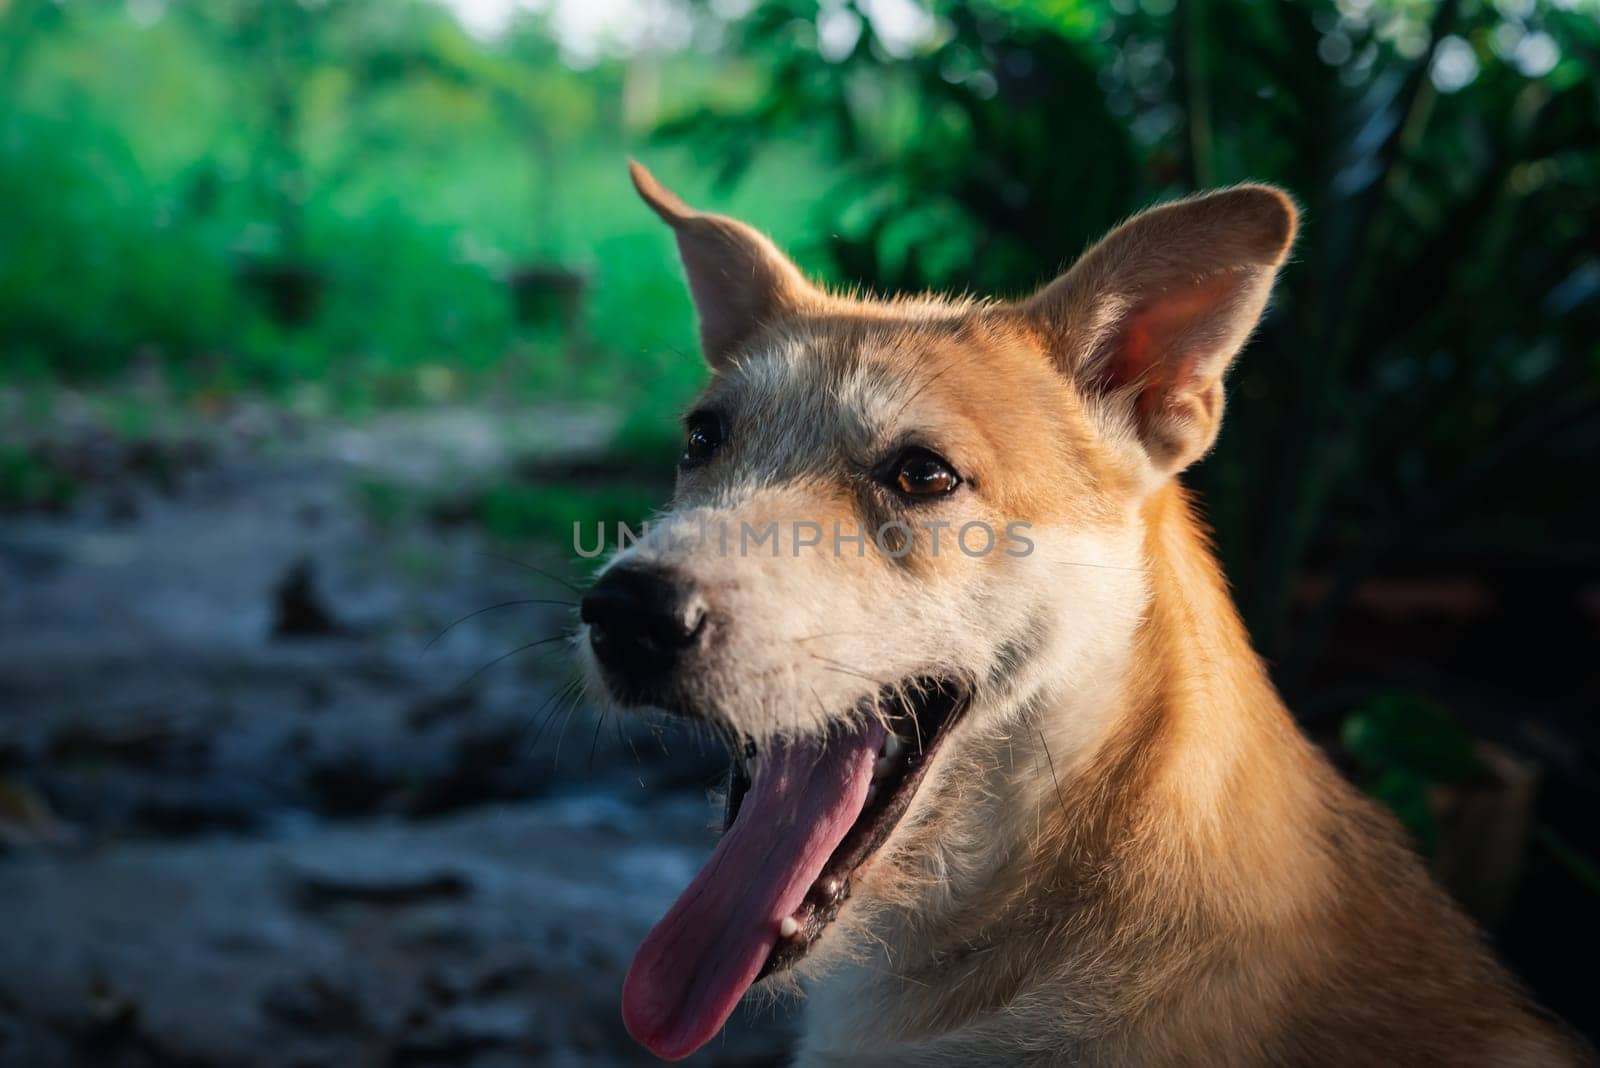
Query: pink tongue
(696, 964)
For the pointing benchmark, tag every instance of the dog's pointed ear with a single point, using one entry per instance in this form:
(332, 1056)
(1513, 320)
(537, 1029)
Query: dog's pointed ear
(1147, 321)
(737, 277)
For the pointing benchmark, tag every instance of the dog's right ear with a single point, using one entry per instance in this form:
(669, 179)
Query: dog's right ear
(738, 277)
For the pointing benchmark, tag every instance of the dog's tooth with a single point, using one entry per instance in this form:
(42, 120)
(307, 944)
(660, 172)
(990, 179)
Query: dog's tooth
(883, 767)
(892, 747)
(872, 794)
(831, 888)
(789, 927)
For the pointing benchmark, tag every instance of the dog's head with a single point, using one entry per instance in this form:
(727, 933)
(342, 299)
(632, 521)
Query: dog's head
(898, 527)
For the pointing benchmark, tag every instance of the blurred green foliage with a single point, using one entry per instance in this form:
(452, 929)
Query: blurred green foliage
(1403, 745)
(336, 202)
(548, 512)
(1409, 733)
(30, 482)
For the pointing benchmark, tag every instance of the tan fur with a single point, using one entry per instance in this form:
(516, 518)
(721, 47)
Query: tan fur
(1126, 853)
(1204, 890)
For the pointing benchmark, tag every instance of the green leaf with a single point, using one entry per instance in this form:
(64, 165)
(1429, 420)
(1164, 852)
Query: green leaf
(1408, 734)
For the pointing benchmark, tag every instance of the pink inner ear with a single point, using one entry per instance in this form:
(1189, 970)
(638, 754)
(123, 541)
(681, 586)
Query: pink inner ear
(1167, 339)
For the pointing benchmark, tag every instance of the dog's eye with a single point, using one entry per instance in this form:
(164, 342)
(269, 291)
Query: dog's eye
(706, 435)
(920, 473)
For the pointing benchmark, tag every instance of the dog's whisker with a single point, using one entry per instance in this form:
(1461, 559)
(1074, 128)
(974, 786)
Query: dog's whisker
(556, 698)
(566, 720)
(848, 674)
(625, 736)
(1060, 798)
(527, 566)
(839, 665)
(818, 699)
(828, 634)
(920, 390)
(600, 721)
(503, 656)
(1102, 567)
(494, 608)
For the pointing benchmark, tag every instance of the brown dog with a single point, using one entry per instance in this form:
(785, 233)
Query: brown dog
(1010, 784)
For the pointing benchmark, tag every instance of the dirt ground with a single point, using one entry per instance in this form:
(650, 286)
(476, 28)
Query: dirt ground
(250, 816)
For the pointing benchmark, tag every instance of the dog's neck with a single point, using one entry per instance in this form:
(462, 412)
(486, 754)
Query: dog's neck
(1192, 805)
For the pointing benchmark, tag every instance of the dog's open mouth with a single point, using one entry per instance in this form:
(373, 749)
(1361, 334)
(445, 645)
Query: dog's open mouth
(803, 816)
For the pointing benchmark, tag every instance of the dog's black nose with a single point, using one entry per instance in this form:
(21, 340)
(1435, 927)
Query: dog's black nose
(641, 620)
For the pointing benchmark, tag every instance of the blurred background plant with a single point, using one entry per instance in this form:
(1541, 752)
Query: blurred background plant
(342, 208)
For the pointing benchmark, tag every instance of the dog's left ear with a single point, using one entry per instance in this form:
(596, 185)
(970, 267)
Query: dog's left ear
(738, 277)
(1147, 321)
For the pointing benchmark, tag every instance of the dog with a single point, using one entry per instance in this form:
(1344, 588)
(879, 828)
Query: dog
(1037, 804)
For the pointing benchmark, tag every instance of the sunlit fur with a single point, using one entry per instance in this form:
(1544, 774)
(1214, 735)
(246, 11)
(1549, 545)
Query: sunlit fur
(1125, 853)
